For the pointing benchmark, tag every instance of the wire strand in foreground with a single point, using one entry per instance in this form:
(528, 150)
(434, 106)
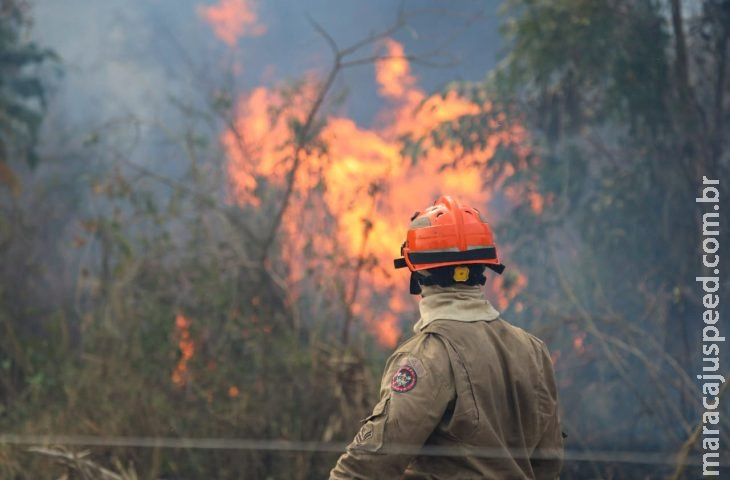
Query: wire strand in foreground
(648, 458)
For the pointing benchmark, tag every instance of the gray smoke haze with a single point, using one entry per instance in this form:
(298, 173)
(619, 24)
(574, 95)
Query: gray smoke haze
(128, 56)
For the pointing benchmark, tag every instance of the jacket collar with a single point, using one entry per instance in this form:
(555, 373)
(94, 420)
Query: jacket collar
(463, 303)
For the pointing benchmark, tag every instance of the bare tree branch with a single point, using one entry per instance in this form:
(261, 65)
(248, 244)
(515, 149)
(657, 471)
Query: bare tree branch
(338, 63)
(328, 38)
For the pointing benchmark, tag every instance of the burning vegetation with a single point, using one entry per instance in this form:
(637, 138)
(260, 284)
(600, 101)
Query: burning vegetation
(236, 296)
(355, 188)
(232, 19)
(186, 349)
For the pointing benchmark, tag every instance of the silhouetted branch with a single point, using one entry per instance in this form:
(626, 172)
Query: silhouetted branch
(328, 38)
(303, 136)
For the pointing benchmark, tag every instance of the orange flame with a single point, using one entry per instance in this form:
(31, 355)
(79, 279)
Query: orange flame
(232, 19)
(360, 188)
(394, 73)
(187, 348)
(537, 202)
(579, 342)
(506, 294)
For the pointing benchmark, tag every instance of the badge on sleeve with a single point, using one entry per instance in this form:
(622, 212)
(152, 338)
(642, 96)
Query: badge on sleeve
(404, 379)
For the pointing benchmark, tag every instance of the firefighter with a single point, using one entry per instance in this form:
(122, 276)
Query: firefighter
(469, 395)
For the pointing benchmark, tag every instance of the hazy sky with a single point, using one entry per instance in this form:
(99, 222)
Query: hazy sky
(128, 56)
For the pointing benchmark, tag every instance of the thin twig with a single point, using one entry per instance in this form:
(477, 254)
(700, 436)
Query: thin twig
(298, 149)
(328, 38)
(367, 229)
(610, 355)
(203, 199)
(338, 63)
(399, 23)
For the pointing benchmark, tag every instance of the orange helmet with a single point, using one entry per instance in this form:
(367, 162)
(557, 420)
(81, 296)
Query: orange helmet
(448, 234)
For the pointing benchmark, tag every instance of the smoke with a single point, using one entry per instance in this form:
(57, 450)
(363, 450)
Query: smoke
(128, 56)
(109, 71)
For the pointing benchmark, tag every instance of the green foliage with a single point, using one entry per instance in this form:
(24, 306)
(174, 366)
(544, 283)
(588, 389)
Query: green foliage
(586, 61)
(172, 330)
(621, 130)
(22, 94)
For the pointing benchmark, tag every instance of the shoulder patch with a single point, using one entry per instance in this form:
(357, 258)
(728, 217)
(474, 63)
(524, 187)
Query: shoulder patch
(404, 379)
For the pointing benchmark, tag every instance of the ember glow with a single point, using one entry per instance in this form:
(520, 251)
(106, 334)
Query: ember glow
(186, 348)
(232, 19)
(505, 292)
(579, 342)
(351, 201)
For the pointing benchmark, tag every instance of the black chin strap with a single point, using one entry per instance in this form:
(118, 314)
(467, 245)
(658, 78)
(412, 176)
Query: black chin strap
(444, 277)
(499, 268)
(415, 285)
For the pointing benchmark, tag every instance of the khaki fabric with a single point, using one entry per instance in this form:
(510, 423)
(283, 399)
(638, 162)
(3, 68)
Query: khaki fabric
(459, 302)
(464, 398)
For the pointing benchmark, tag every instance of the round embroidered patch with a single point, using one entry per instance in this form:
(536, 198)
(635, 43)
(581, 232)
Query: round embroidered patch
(404, 379)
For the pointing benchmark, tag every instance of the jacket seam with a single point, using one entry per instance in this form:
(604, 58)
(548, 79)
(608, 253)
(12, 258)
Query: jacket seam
(449, 345)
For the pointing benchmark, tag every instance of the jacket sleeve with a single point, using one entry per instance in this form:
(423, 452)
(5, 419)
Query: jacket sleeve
(548, 458)
(415, 391)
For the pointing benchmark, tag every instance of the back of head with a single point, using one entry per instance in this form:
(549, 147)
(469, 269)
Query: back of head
(448, 243)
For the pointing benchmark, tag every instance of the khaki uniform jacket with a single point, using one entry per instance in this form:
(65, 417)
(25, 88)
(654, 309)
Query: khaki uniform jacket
(469, 396)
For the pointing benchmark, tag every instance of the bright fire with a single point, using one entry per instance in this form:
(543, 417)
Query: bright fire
(232, 19)
(352, 201)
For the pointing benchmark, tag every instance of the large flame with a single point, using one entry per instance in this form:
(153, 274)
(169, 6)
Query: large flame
(351, 200)
(232, 19)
